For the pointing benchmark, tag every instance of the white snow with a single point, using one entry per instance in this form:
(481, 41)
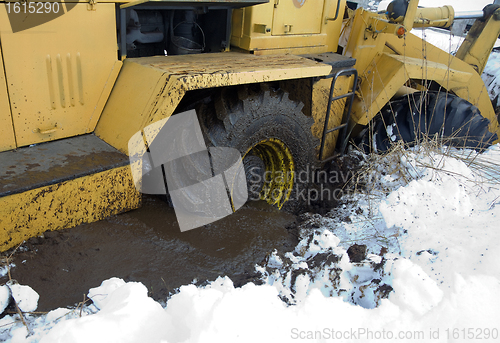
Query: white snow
(101, 295)
(430, 225)
(25, 297)
(4, 297)
(127, 315)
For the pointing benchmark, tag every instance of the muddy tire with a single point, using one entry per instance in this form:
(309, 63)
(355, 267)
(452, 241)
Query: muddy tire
(273, 136)
(438, 116)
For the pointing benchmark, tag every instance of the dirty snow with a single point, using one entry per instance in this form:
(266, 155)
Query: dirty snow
(431, 272)
(4, 269)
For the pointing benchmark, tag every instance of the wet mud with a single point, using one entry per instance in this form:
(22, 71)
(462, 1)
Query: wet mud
(146, 245)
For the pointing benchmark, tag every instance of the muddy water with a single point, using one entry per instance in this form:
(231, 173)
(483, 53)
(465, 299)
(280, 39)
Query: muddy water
(146, 245)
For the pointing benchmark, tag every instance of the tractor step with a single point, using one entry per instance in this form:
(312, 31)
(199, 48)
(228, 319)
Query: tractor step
(335, 60)
(61, 184)
(342, 144)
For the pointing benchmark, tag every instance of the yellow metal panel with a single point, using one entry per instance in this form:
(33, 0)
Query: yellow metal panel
(312, 26)
(103, 98)
(282, 42)
(126, 112)
(362, 45)
(333, 27)
(249, 22)
(476, 48)
(297, 16)
(7, 140)
(242, 64)
(431, 70)
(65, 205)
(230, 69)
(294, 51)
(473, 91)
(378, 85)
(388, 73)
(426, 63)
(58, 73)
(154, 86)
(238, 21)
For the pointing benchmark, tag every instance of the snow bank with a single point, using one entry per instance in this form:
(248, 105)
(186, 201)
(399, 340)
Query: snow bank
(429, 272)
(126, 314)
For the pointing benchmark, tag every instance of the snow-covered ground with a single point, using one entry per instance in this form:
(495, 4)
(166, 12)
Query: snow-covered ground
(430, 272)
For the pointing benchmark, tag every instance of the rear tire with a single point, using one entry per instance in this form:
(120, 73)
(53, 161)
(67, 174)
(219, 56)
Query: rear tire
(273, 136)
(428, 115)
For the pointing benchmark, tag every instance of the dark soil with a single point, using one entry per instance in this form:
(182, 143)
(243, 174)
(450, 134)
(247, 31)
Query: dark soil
(357, 253)
(146, 245)
(331, 183)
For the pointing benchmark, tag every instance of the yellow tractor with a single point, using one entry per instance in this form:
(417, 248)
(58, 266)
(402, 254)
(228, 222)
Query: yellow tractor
(285, 82)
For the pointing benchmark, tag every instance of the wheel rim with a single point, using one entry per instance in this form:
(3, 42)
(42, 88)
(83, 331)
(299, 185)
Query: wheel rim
(279, 170)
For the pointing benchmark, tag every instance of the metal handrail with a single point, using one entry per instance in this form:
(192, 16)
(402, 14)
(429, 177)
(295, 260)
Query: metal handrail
(345, 72)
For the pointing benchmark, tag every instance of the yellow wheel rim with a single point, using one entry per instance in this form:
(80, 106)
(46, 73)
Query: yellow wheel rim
(280, 169)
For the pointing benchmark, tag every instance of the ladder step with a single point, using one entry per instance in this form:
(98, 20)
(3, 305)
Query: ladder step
(342, 96)
(331, 158)
(337, 128)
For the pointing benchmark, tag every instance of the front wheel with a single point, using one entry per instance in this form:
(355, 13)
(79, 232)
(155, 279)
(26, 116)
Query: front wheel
(428, 115)
(273, 136)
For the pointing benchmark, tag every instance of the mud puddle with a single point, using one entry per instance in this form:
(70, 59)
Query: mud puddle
(146, 245)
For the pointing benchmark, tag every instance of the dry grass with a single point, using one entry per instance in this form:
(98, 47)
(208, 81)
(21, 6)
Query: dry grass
(381, 174)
